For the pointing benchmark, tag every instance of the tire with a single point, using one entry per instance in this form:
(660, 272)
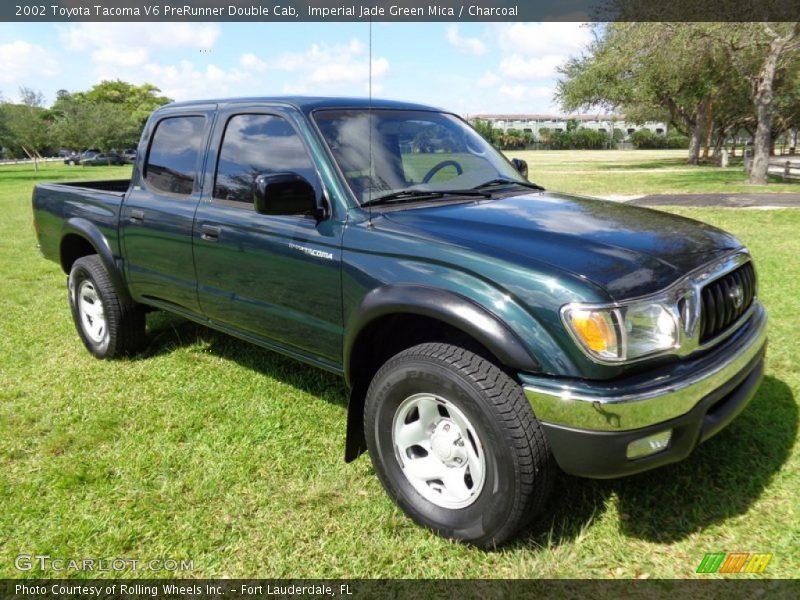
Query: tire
(456, 445)
(109, 326)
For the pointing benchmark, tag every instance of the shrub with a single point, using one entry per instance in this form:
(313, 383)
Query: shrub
(644, 139)
(579, 139)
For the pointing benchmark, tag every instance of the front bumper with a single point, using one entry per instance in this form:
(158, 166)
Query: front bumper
(589, 425)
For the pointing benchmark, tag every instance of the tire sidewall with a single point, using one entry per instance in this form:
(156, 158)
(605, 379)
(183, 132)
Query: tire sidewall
(491, 509)
(78, 274)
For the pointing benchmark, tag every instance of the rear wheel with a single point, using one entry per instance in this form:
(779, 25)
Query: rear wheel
(108, 325)
(456, 445)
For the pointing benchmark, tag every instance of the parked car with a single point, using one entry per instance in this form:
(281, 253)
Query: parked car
(76, 157)
(490, 331)
(129, 156)
(105, 158)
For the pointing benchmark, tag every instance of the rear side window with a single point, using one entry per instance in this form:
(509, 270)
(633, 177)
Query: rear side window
(172, 160)
(255, 145)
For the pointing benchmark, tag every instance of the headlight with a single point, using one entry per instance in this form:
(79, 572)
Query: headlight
(623, 332)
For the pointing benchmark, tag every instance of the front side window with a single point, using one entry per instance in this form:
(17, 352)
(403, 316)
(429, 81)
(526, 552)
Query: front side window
(382, 151)
(257, 145)
(172, 160)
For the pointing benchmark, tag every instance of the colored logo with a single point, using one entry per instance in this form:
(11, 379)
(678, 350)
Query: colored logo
(734, 562)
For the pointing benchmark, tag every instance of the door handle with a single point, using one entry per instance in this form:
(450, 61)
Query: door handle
(136, 216)
(209, 233)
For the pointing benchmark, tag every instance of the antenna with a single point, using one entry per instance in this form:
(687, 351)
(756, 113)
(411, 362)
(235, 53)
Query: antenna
(369, 123)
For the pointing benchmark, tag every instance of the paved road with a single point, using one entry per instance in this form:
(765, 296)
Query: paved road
(727, 200)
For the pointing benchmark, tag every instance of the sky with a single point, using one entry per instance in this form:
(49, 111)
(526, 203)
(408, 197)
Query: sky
(468, 68)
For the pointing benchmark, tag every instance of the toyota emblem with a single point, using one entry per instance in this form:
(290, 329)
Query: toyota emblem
(737, 296)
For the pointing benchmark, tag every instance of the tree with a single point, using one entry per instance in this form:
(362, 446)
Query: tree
(137, 100)
(81, 123)
(487, 132)
(29, 125)
(759, 52)
(646, 69)
(711, 79)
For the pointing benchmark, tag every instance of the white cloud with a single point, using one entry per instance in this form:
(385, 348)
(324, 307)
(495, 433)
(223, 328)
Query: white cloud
(132, 51)
(466, 44)
(123, 58)
(525, 92)
(326, 69)
(519, 67)
(130, 44)
(252, 62)
(537, 39)
(530, 54)
(84, 36)
(185, 81)
(23, 63)
(489, 79)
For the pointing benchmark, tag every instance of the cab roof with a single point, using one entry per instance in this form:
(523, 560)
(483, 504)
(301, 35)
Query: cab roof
(307, 103)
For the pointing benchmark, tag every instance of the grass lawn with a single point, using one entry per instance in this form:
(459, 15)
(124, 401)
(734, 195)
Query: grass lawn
(610, 173)
(210, 449)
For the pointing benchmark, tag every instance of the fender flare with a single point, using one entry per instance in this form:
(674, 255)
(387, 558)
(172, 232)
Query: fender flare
(92, 234)
(449, 307)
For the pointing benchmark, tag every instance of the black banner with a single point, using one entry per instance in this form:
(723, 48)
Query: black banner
(398, 10)
(219, 589)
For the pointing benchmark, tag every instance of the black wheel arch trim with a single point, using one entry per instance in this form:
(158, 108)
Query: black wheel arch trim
(92, 234)
(449, 307)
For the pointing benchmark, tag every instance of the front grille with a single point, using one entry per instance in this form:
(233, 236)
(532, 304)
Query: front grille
(725, 300)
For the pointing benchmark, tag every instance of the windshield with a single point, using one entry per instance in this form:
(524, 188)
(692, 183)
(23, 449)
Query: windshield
(414, 150)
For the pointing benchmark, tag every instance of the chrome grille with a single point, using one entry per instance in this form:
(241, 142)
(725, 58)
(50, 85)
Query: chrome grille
(726, 299)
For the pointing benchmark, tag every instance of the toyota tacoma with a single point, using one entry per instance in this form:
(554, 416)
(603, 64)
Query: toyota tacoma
(490, 332)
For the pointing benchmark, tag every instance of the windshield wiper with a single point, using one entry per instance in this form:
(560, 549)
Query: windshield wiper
(505, 181)
(411, 194)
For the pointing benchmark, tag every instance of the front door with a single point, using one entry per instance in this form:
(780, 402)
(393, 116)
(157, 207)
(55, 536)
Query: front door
(276, 278)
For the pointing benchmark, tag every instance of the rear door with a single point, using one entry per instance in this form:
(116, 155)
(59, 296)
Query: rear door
(158, 212)
(276, 278)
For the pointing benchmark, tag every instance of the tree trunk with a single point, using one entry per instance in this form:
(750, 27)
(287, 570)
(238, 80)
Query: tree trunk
(763, 99)
(719, 141)
(709, 128)
(32, 156)
(695, 139)
(697, 133)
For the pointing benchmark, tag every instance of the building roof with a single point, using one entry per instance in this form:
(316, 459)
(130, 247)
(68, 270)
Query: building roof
(544, 117)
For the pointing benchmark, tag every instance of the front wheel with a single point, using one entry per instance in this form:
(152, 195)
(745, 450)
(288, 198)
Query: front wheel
(108, 325)
(456, 445)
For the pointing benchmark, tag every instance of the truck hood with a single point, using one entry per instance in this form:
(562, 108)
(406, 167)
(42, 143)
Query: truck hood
(628, 251)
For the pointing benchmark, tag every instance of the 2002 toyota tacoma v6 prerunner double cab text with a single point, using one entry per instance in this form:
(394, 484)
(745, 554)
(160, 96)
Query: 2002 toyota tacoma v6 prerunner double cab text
(490, 331)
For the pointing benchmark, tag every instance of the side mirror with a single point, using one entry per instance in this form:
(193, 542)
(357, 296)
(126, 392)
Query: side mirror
(521, 166)
(285, 194)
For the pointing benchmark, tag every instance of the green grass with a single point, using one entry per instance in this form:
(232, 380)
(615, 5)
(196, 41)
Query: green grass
(211, 449)
(610, 173)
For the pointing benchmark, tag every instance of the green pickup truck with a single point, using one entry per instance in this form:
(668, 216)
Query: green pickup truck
(490, 332)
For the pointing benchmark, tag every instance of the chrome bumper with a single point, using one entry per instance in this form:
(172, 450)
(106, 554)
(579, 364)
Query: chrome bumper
(611, 406)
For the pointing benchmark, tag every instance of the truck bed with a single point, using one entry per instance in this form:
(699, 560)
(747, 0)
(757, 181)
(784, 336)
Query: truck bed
(56, 204)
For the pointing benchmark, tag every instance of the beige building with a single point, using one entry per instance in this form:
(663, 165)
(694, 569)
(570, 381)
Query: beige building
(532, 123)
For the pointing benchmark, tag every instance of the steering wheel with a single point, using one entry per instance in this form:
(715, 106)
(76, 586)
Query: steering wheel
(436, 168)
